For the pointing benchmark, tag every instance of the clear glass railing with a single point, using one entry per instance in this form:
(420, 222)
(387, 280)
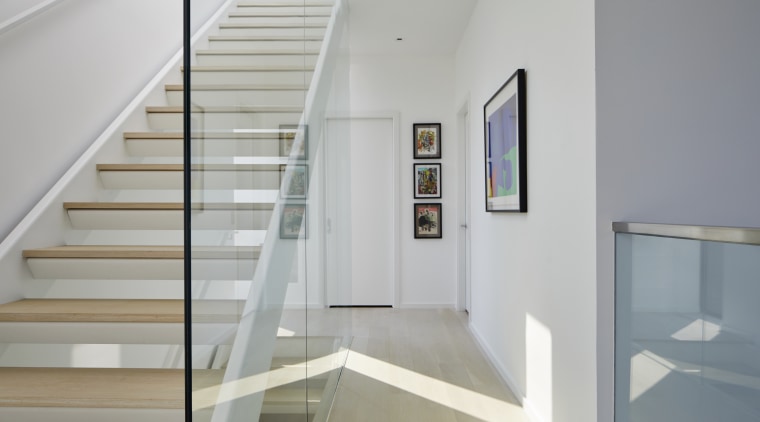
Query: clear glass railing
(263, 347)
(687, 333)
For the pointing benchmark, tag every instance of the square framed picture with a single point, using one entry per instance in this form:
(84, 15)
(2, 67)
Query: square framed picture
(294, 181)
(506, 158)
(427, 221)
(293, 219)
(427, 140)
(427, 180)
(294, 136)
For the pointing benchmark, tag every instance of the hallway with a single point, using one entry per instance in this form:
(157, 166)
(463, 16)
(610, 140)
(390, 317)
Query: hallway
(413, 365)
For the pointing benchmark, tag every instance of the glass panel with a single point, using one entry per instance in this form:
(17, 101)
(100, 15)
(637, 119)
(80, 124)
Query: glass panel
(686, 330)
(263, 79)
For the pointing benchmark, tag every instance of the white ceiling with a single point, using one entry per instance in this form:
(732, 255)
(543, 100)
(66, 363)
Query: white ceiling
(429, 27)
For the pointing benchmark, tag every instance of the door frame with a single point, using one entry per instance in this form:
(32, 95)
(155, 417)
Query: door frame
(394, 117)
(464, 210)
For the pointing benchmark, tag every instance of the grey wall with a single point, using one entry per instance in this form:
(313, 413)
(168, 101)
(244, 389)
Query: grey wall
(678, 128)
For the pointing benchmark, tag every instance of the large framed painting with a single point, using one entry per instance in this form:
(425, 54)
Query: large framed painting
(427, 221)
(505, 147)
(427, 180)
(427, 140)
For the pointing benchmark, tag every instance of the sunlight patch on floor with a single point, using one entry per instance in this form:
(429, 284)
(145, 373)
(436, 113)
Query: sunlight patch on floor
(446, 394)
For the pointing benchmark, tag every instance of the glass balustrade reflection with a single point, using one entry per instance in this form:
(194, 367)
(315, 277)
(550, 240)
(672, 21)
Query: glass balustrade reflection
(263, 79)
(687, 338)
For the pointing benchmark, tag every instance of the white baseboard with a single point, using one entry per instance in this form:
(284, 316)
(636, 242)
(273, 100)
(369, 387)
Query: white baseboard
(528, 407)
(427, 306)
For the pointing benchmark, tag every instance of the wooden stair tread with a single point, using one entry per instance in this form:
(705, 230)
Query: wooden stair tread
(230, 109)
(297, 4)
(243, 25)
(143, 252)
(279, 68)
(265, 38)
(258, 52)
(206, 135)
(161, 206)
(92, 388)
(179, 167)
(220, 87)
(93, 310)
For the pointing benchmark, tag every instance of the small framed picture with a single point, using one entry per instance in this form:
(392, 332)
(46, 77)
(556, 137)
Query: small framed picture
(427, 140)
(292, 221)
(427, 221)
(294, 136)
(427, 180)
(294, 181)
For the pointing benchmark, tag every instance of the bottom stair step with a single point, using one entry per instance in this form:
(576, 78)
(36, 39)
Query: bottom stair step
(92, 388)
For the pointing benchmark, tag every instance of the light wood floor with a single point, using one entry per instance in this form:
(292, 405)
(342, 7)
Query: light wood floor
(413, 365)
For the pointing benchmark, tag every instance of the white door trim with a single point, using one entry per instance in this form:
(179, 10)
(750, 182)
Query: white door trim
(464, 209)
(395, 157)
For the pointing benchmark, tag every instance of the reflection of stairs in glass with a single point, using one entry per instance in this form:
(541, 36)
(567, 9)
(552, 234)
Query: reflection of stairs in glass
(692, 365)
(99, 333)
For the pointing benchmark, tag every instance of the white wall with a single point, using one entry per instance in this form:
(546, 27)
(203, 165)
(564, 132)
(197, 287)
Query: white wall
(677, 134)
(420, 90)
(11, 8)
(65, 75)
(533, 275)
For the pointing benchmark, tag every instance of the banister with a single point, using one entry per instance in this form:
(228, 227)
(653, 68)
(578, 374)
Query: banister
(26, 15)
(743, 235)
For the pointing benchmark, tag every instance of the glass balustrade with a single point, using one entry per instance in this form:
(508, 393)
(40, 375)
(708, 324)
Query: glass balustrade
(687, 334)
(262, 81)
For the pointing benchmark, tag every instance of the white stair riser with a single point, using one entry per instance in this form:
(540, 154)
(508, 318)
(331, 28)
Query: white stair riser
(38, 414)
(272, 10)
(135, 289)
(224, 121)
(211, 147)
(169, 220)
(307, 61)
(93, 355)
(223, 44)
(243, 97)
(173, 180)
(231, 237)
(264, 77)
(263, 31)
(282, 20)
(114, 333)
(139, 269)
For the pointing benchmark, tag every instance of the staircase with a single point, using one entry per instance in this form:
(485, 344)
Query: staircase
(99, 335)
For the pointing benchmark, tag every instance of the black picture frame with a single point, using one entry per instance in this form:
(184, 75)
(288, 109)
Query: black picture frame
(428, 220)
(290, 135)
(427, 140)
(294, 181)
(427, 180)
(293, 217)
(506, 154)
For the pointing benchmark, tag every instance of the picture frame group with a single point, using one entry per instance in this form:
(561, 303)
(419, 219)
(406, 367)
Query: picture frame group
(427, 180)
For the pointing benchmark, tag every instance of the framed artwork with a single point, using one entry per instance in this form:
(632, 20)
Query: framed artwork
(294, 181)
(427, 180)
(427, 221)
(292, 219)
(505, 147)
(427, 140)
(294, 136)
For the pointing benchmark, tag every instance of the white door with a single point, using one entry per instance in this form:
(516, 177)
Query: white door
(360, 240)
